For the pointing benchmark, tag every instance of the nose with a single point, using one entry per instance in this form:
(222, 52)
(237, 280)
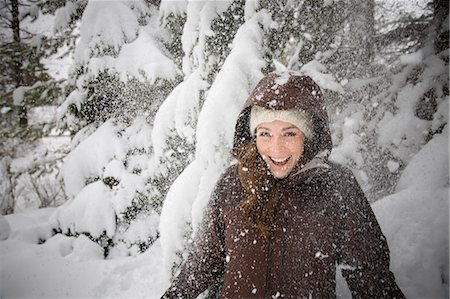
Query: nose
(278, 145)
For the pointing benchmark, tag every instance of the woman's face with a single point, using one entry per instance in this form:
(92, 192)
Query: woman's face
(281, 144)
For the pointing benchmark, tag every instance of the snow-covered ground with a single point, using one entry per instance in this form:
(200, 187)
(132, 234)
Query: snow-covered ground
(71, 267)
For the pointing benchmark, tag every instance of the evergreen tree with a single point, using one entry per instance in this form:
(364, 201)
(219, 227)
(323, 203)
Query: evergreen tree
(410, 88)
(117, 90)
(27, 89)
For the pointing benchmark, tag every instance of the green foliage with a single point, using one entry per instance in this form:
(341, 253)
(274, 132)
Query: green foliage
(143, 204)
(110, 181)
(140, 204)
(181, 254)
(21, 65)
(174, 24)
(427, 83)
(103, 240)
(406, 35)
(110, 97)
(178, 155)
(303, 29)
(28, 58)
(64, 40)
(218, 45)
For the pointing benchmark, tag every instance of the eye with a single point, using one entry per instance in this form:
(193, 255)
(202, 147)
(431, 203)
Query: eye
(263, 134)
(290, 134)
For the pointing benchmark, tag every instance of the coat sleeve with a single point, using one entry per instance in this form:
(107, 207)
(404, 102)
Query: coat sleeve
(205, 261)
(364, 252)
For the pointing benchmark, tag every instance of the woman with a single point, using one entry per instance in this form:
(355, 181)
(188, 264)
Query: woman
(282, 218)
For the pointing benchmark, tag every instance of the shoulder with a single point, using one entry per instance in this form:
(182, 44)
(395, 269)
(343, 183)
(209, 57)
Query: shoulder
(335, 175)
(229, 177)
(338, 181)
(350, 192)
(340, 173)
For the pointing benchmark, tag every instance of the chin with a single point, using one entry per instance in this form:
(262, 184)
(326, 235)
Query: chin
(280, 175)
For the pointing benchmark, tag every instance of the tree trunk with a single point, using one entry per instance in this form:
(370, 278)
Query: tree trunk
(17, 65)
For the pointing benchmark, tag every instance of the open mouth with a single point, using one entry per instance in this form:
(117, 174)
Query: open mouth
(280, 162)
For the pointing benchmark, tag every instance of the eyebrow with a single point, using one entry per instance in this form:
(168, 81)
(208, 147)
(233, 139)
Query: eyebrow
(284, 129)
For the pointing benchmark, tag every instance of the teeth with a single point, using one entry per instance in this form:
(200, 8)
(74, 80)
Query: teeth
(280, 160)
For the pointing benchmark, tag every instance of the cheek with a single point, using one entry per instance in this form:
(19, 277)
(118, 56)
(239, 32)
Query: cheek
(297, 149)
(261, 147)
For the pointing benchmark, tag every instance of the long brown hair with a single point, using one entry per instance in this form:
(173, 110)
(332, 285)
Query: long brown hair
(261, 187)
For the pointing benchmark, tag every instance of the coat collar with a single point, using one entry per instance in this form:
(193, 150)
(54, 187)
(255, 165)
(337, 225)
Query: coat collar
(314, 166)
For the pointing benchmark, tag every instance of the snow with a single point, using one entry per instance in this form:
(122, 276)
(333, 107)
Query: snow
(134, 60)
(196, 29)
(250, 9)
(5, 110)
(441, 116)
(83, 249)
(76, 98)
(42, 115)
(416, 223)
(19, 93)
(431, 163)
(413, 58)
(63, 16)
(103, 174)
(71, 267)
(167, 7)
(346, 152)
(178, 110)
(393, 166)
(410, 131)
(90, 157)
(83, 215)
(176, 213)
(139, 229)
(105, 24)
(47, 274)
(318, 73)
(5, 228)
(105, 184)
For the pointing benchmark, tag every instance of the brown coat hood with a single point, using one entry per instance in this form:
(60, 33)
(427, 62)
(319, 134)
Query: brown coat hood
(283, 92)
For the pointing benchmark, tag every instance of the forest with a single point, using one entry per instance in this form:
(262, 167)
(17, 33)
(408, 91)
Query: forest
(117, 119)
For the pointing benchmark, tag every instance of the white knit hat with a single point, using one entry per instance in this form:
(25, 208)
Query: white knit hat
(298, 118)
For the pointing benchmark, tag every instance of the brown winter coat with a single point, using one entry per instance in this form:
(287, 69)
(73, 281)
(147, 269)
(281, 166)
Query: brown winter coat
(322, 220)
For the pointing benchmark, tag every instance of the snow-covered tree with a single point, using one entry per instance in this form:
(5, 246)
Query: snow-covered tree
(121, 74)
(406, 95)
(29, 90)
(113, 74)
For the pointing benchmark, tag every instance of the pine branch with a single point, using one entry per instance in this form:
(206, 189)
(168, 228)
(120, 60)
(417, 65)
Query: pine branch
(7, 21)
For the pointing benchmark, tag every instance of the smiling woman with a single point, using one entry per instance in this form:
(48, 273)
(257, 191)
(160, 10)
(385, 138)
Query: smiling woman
(280, 144)
(282, 218)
